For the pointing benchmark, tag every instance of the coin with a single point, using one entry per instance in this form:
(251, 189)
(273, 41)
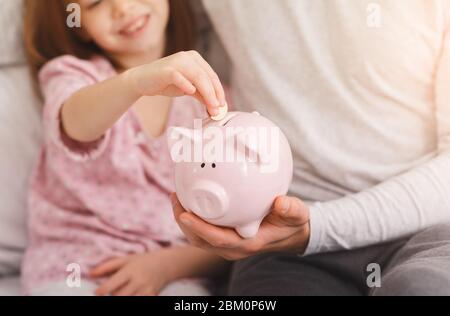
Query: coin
(223, 112)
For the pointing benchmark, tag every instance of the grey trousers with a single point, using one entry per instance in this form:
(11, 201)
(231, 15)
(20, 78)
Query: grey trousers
(416, 266)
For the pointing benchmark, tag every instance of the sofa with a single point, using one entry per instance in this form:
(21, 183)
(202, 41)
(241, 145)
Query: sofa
(20, 135)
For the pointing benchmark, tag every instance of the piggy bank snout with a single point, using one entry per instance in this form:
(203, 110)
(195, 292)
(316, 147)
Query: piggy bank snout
(209, 200)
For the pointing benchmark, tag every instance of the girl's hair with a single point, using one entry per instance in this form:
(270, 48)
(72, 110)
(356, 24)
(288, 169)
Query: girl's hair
(47, 36)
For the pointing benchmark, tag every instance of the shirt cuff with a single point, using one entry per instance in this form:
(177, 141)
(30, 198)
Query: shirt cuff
(316, 228)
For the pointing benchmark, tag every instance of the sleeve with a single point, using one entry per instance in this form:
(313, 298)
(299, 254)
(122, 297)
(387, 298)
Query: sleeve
(400, 206)
(59, 79)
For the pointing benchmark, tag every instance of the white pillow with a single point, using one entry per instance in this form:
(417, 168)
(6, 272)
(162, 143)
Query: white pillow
(11, 19)
(20, 133)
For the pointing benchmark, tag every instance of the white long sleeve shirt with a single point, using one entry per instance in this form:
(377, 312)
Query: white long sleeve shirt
(361, 88)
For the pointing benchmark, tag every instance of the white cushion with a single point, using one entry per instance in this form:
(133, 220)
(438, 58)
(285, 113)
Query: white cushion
(10, 286)
(20, 129)
(11, 47)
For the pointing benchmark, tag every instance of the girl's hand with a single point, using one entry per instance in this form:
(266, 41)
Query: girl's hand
(137, 275)
(184, 73)
(286, 228)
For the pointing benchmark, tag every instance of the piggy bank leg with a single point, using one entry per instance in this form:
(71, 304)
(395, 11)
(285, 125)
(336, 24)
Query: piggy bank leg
(249, 231)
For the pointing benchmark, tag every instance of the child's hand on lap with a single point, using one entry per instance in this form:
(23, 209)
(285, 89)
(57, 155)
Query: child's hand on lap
(137, 275)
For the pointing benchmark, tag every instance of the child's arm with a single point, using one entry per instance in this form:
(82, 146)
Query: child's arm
(149, 273)
(91, 111)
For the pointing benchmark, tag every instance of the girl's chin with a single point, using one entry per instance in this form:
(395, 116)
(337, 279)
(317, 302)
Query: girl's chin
(142, 45)
(133, 47)
(141, 50)
(138, 53)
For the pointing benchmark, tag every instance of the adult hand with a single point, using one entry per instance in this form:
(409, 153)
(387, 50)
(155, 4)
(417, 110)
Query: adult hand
(286, 228)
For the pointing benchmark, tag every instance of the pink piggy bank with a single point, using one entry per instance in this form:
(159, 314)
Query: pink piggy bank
(229, 172)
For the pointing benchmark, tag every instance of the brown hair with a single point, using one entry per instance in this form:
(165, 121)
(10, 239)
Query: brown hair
(46, 35)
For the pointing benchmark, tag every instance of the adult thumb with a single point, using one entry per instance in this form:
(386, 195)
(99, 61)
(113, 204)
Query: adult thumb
(291, 210)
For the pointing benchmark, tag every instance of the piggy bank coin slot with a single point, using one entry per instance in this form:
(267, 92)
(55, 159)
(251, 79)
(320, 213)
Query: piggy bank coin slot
(208, 122)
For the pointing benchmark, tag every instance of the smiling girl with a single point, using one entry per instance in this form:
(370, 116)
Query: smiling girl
(99, 195)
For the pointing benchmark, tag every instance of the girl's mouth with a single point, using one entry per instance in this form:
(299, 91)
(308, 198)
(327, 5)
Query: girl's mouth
(135, 27)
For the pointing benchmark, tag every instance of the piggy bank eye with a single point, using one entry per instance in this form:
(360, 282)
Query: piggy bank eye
(214, 165)
(203, 165)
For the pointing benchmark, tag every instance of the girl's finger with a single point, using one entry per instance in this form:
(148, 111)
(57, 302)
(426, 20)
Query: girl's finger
(146, 292)
(113, 284)
(200, 79)
(129, 289)
(211, 111)
(108, 267)
(218, 87)
(183, 84)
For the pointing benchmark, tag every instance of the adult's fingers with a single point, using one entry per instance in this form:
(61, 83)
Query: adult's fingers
(178, 210)
(222, 241)
(290, 211)
(217, 237)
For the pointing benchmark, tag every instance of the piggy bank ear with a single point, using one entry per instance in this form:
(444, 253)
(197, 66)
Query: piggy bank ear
(177, 134)
(246, 146)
